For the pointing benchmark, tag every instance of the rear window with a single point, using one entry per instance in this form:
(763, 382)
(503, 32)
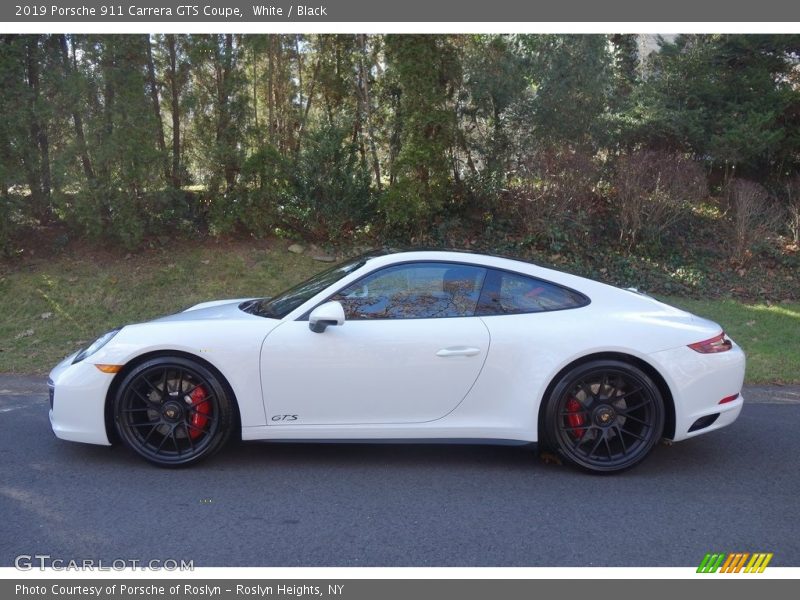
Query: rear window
(506, 293)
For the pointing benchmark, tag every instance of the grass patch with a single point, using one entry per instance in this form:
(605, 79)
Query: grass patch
(769, 334)
(53, 307)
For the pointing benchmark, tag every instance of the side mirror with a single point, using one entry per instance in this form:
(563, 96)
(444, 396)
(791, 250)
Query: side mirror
(330, 313)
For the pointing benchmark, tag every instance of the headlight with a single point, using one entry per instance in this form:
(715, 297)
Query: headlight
(96, 345)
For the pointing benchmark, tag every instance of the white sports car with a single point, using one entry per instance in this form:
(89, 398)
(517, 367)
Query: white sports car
(418, 345)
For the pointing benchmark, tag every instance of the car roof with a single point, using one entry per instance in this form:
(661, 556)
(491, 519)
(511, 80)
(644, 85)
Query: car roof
(459, 253)
(390, 254)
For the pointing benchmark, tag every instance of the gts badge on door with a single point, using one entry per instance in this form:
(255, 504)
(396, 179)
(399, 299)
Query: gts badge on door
(284, 418)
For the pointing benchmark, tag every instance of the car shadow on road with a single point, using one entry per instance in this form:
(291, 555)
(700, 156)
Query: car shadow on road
(693, 457)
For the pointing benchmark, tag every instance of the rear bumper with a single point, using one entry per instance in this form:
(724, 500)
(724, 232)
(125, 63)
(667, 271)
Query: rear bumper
(77, 402)
(725, 415)
(698, 382)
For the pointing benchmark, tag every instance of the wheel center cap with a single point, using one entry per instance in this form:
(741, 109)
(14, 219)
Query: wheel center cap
(172, 411)
(605, 416)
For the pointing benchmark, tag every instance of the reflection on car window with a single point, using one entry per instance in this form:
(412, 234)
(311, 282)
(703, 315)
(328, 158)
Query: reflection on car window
(510, 293)
(281, 305)
(414, 291)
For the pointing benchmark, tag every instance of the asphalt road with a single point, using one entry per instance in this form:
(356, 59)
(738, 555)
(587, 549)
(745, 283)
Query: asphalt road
(262, 504)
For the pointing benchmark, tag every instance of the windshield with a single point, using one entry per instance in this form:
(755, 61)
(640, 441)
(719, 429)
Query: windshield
(282, 304)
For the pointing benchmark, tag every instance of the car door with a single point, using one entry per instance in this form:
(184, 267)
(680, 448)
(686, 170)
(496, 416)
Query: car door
(409, 351)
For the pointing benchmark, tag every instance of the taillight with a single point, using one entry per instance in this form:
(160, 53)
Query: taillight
(719, 343)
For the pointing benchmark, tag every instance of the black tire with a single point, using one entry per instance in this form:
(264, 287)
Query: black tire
(604, 416)
(173, 411)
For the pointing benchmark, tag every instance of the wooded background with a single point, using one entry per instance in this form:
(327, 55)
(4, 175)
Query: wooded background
(552, 141)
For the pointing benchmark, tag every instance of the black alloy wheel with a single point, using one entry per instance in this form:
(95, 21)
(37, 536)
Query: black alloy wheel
(605, 416)
(172, 411)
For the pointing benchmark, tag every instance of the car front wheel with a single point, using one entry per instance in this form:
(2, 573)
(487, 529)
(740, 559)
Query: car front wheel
(172, 411)
(604, 415)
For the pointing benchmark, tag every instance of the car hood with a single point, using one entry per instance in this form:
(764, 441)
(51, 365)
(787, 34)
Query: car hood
(218, 310)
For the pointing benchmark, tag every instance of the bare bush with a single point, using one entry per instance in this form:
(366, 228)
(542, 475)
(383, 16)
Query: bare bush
(654, 191)
(791, 197)
(754, 216)
(558, 192)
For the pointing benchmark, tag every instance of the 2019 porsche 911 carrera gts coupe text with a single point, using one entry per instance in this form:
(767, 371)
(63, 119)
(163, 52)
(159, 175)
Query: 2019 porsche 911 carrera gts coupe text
(418, 345)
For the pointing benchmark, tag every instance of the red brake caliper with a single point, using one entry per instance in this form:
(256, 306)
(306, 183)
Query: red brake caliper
(575, 418)
(201, 409)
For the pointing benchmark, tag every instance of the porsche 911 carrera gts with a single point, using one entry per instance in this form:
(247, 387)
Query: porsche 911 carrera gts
(431, 346)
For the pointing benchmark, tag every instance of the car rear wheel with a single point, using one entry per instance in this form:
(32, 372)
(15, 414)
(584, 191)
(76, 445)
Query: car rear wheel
(172, 411)
(604, 416)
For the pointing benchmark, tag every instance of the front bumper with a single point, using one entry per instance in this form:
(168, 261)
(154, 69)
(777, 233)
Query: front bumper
(698, 382)
(77, 402)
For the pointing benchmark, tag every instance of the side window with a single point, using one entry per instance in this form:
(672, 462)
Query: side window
(414, 291)
(510, 294)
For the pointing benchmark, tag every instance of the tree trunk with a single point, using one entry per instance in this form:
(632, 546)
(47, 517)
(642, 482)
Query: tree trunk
(270, 91)
(151, 80)
(310, 99)
(108, 65)
(299, 70)
(376, 165)
(255, 88)
(279, 96)
(230, 166)
(175, 109)
(39, 165)
(77, 120)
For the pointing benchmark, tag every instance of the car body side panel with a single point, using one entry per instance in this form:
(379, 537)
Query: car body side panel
(528, 351)
(78, 402)
(698, 382)
(370, 371)
(232, 346)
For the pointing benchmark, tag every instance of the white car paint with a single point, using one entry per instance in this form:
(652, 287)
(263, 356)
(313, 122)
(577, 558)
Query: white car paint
(449, 378)
(404, 371)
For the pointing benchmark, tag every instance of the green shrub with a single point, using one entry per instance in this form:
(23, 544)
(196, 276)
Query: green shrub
(331, 196)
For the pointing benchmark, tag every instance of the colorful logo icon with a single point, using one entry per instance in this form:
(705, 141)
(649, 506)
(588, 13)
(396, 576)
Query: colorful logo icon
(734, 562)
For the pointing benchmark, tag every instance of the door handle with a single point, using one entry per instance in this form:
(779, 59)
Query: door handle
(458, 351)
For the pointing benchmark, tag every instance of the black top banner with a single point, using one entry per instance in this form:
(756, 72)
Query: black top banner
(465, 11)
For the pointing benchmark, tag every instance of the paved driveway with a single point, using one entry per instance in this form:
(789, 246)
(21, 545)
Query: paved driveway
(262, 504)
